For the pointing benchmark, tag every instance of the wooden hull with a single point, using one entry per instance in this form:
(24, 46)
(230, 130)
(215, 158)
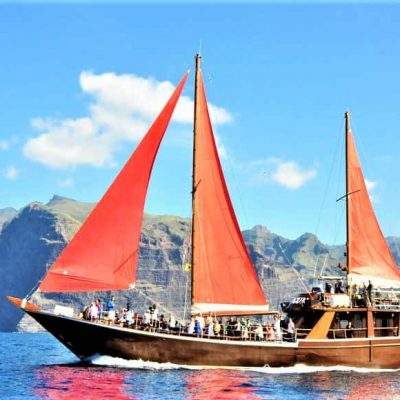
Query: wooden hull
(86, 339)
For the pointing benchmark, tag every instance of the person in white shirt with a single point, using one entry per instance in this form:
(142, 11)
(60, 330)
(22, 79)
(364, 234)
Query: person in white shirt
(129, 317)
(277, 327)
(94, 312)
(172, 322)
(147, 318)
(191, 327)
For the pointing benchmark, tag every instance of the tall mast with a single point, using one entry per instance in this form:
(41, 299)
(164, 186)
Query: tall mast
(194, 180)
(347, 129)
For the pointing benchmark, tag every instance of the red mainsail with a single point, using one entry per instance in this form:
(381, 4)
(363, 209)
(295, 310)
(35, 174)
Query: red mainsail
(104, 252)
(369, 256)
(224, 280)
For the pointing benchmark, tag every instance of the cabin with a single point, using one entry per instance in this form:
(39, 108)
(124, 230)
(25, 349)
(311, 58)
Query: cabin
(320, 315)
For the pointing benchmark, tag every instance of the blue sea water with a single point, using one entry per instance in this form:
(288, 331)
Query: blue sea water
(36, 366)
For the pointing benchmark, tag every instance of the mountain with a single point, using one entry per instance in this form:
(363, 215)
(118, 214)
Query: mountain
(32, 239)
(7, 214)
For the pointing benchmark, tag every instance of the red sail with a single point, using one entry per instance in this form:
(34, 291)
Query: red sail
(224, 278)
(369, 256)
(103, 254)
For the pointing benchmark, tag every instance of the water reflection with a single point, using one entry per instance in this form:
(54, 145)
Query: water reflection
(80, 383)
(219, 384)
(367, 387)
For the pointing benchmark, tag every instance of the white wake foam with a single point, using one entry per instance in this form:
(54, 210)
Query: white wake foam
(108, 361)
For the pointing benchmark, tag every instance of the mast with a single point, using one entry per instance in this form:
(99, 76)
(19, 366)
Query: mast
(194, 184)
(347, 128)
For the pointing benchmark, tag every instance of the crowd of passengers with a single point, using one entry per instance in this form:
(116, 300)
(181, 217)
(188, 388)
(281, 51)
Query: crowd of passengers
(200, 326)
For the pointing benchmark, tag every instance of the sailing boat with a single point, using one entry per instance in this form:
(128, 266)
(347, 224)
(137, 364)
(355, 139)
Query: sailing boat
(104, 252)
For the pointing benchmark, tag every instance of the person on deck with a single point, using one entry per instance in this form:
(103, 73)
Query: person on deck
(277, 327)
(217, 328)
(291, 329)
(198, 328)
(259, 333)
(171, 322)
(369, 292)
(94, 312)
(191, 326)
(111, 310)
(146, 319)
(99, 305)
(270, 333)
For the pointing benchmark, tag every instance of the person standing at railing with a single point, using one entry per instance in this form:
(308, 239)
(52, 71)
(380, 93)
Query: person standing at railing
(369, 292)
(277, 327)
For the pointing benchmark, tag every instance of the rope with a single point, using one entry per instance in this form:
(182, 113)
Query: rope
(294, 269)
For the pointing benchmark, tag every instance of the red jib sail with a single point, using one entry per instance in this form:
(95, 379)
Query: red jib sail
(103, 254)
(369, 256)
(224, 278)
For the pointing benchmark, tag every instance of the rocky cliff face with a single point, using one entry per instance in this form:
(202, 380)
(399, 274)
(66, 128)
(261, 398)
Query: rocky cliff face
(35, 236)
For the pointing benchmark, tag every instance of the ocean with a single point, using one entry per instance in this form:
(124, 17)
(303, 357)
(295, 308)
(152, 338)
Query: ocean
(36, 366)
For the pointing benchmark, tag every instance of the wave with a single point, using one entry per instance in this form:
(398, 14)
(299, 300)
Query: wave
(108, 361)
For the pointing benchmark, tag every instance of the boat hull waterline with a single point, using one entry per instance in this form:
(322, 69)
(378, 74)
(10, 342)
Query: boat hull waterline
(87, 339)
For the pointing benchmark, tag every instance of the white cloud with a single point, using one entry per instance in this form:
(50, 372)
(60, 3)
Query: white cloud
(122, 108)
(290, 175)
(11, 173)
(66, 183)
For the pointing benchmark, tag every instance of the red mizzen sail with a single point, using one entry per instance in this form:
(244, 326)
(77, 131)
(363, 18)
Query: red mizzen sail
(224, 280)
(369, 256)
(103, 254)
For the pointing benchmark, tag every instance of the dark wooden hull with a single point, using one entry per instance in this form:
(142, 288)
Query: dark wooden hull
(86, 339)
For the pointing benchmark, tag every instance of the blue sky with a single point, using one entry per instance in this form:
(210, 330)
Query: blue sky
(279, 76)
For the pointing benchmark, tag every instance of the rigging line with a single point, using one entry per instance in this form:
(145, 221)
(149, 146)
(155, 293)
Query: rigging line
(328, 184)
(292, 266)
(331, 171)
(336, 165)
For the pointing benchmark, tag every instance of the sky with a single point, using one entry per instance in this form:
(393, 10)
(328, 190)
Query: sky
(80, 85)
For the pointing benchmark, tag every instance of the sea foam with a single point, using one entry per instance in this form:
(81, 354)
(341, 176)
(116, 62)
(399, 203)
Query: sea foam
(108, 361)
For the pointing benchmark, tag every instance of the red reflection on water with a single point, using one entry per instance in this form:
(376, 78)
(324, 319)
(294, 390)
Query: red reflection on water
(374, 387)
(219, 385)
(76, 383)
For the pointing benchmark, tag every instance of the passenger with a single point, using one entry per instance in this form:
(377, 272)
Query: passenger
(201, 325)
(258, 331)
(369, 292)
(171, 322)
(111, 310)
(245, 332)
(210, 329)
(147, 319)
(191, 326)
(277, 327)
(129, 318)
(354, 294)
(270, 333)
(154, 315)
(198, 328)
(238, 328)
(86, 313)
(217, 328)
(93, 312)
(99, 305)
(291, 329)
